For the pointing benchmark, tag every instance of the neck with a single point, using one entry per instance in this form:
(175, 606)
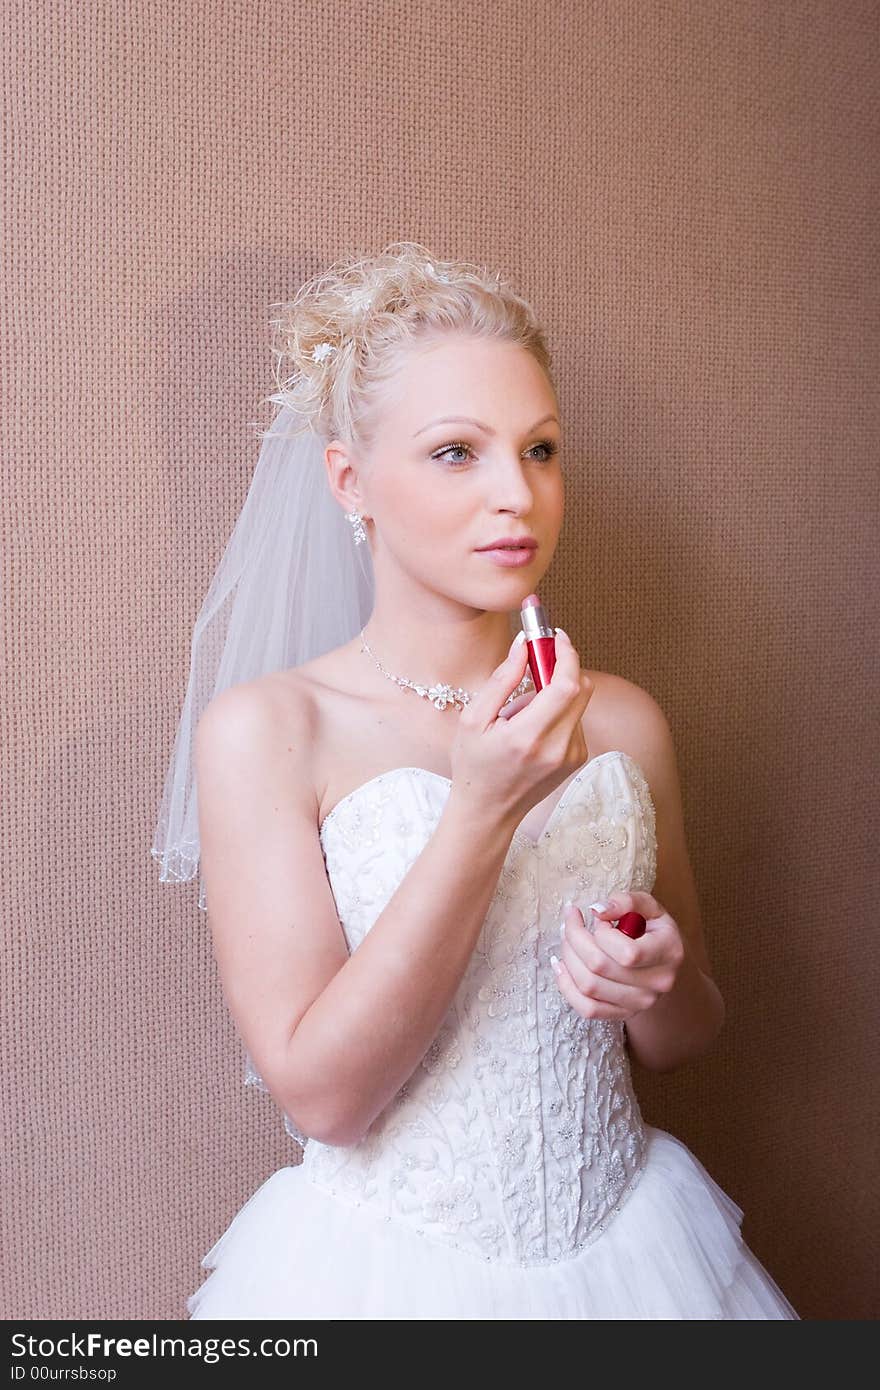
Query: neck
(462, 653)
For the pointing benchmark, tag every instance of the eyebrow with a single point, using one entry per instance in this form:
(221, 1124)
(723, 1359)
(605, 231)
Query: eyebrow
(487, 429)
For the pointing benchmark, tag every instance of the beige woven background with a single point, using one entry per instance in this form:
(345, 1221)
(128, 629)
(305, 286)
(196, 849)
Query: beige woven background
(687, 191)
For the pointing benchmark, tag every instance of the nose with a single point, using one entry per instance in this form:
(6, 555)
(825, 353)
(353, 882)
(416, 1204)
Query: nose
(510, 489)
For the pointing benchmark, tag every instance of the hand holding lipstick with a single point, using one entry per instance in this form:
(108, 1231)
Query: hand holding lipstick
(604, 973)
(503, 765)
(540, 650)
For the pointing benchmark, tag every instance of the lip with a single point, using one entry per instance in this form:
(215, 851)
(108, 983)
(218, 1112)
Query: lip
(511, 558)
(501, 541)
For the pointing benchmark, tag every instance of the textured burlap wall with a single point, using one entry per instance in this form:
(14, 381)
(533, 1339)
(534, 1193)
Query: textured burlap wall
(688, 193)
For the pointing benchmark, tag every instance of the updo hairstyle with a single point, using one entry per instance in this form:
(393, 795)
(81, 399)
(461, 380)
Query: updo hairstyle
(341, 340)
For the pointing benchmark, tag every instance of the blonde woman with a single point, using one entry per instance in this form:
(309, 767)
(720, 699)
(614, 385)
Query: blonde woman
(393, 831)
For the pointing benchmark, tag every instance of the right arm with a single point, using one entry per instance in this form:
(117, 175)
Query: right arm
(334, 1035)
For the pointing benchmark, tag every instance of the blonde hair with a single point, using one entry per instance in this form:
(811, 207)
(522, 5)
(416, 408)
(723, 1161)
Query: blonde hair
(342, 337)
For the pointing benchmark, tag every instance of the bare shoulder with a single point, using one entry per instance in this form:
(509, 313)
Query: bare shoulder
(628, 717)
(271, 719)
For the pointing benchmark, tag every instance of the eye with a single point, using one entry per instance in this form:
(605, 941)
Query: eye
(450, 449)
(549, 447)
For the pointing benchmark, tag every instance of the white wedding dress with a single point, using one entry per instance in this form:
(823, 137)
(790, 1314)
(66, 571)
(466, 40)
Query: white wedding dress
(512, 1175)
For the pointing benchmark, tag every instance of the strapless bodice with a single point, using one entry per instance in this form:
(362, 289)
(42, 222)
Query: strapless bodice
(519, 1133)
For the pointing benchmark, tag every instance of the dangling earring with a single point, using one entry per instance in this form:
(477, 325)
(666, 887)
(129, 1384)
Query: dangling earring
(357, 527)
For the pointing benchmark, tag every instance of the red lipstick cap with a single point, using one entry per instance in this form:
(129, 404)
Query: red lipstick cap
(632, 924)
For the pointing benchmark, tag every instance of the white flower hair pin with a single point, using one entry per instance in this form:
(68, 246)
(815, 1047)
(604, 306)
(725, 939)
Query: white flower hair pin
(359, 299)
(322, 351)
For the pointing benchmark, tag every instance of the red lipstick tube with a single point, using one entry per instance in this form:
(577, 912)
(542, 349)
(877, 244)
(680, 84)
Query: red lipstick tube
(540, 640)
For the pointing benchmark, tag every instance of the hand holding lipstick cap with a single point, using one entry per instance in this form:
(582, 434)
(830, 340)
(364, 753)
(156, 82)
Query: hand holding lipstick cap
(603, 974)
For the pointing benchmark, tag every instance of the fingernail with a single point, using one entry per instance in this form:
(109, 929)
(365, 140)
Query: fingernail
(598, 907)
(554, 961)
(519, 638)
(563, 633)
(562, 928)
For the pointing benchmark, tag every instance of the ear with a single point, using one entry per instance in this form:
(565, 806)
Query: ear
(344, 475)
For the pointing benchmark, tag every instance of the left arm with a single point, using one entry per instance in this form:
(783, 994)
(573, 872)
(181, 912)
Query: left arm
(659, 984)
(683, 1023)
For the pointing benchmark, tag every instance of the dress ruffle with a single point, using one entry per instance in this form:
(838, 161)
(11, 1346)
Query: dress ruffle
(674, 1250)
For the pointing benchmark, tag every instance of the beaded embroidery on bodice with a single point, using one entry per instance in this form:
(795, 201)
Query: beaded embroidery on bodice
(519, 1134)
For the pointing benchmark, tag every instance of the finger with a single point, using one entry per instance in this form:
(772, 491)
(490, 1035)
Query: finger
(592, 951)
(604, 988)
(487, 703)
(568, 662)
(519, 703)
(614, 907)
(582, 1003)
(650, 951)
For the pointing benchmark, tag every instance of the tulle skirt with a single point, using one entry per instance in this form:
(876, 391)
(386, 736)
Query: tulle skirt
(674, 1249)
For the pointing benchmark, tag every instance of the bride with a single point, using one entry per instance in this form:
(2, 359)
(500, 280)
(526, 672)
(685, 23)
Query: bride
(413, 864)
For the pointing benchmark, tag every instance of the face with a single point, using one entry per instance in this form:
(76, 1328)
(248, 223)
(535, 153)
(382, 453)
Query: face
(436, 492)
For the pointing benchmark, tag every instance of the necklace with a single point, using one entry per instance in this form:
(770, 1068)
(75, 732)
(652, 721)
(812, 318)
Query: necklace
(441, 695)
